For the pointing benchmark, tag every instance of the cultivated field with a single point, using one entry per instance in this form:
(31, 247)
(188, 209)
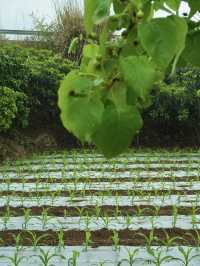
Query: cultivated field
(77, 208)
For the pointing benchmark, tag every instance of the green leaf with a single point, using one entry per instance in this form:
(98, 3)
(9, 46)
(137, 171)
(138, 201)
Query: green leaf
(194, 6)
(91, 50)
(102, 11)
(118, 94)
(131, 45)
(73, 45)
(118, 6)
(173, 4)
(191, 53)
(163, 38)
(89, 9)
(117, 130)
(81, 111)
(139, 74)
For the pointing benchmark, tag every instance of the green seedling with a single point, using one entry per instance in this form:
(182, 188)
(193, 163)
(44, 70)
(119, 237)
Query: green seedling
(88, 240)
(115, 241)
(158, 259)
(26, 218)
(73, 260)
(150, 239)
(170, 241)
(131, 257)
(18, 241)
(187, 257)
(35, 240)
(61, 240)
(45, 257)
(15, 260)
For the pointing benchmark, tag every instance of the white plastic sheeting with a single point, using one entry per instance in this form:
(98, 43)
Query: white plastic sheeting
(178, 200)
(93, 256)
(92, 223)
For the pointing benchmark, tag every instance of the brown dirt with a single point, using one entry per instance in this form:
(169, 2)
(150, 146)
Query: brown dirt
(90, 210)
(101, 179)
(98, 169)
(104, 192)
(102, 237)
(145, 162)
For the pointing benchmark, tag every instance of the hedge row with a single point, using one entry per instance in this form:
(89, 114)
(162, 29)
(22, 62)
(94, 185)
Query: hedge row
(32, 77)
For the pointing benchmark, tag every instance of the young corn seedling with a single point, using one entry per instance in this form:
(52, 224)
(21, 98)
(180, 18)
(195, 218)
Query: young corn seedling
(18, 241)
(149, 239)
(128, 220)
(44, 219)
(187, 257)
(195, 209)
(6, 217)
(26, 218)
(97, 210)
(174, 216)
(158, 259)
(61, 240)
(105, 219)
(140, 211)
(88, 240)
(195, 238)
(115, 241)
(65, 213)
(170, 241)
(73, 260)
(46, 257)
(117, 211)
(80, 212)
(131, 259)
(15, 260)
(35, 240)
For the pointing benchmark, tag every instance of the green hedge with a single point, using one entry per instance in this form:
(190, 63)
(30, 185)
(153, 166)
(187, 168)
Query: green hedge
(14, 109)
(36, 73)
(174, 115)
(177, 102)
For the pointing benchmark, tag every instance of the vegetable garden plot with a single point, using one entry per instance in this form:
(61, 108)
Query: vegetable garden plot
(82, 219)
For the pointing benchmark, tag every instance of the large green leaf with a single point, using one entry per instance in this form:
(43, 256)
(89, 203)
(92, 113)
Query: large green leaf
(102, 11)
(194, 6)
(118, 94)
(81, 111)
(191, 54)
(90, 53)
(118, 6)
(173, 4)
(139, 74)
(163, 38)
(117, 130)
(89, 9)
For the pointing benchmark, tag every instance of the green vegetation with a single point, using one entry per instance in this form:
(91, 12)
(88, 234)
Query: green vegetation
(33, 77)
(13, 109)
(118, 72)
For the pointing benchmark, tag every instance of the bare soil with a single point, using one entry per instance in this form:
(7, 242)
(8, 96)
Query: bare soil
(144, 210)
(103, 237)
